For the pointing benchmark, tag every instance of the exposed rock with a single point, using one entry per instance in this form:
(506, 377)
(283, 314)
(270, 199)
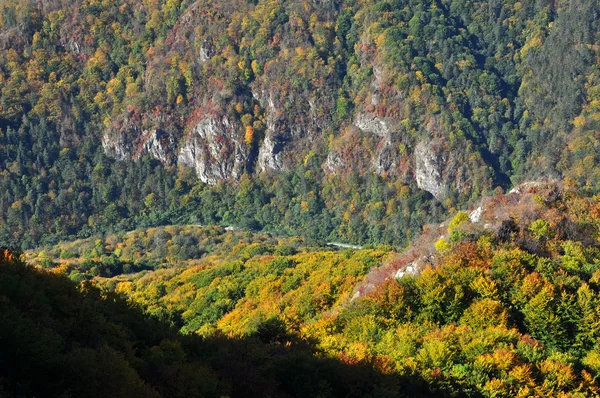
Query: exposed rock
(334, 162)
(475, 215)
(385, 158)
(213, 150)
(286, 131)
(205, 53)
(269, 154)
(157, 144)
(429, 168)
(126, 140)
(378, 73)
(373, 124)
(116, 146)
(410, 269)
(525, 186)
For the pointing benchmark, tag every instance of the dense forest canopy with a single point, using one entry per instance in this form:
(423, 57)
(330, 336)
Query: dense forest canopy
(504, 304)
(352, 120)
(63, 339)
(173, 170)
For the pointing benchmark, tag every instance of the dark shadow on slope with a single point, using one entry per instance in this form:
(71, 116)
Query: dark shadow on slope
(58, 339)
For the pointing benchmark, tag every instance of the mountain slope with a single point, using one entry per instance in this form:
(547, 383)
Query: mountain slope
(61, 339)
(421, 101)
(502, 303)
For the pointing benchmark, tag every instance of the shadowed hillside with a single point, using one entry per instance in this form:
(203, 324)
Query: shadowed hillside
(58, 339)
(356, 121)
(503, 301)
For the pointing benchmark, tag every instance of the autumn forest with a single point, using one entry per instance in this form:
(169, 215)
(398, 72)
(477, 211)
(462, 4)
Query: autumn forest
(299, 198)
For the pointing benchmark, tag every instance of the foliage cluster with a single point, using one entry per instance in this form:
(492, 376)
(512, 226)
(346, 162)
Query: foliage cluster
(507, 311)
(507, 91)
(58, 338)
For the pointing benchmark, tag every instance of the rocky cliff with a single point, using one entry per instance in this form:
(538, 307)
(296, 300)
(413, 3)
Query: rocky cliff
(402, 92)
(287, 109)
(215, 150)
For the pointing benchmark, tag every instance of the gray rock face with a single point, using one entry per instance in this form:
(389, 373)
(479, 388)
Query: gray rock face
(385, 157)
(373, 124)
(116, 146)
(203, 54)
(429, 170)
(475, 215)
(269, 155)
(385, 160)
(334, 163)
(129, 143)
(157, 144)
(214, 150)
(411, 269)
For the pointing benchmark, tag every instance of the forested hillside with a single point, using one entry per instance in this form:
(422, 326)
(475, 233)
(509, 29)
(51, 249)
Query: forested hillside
(175, 172)
(336, 119)
(506, 303)
(63, 339)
